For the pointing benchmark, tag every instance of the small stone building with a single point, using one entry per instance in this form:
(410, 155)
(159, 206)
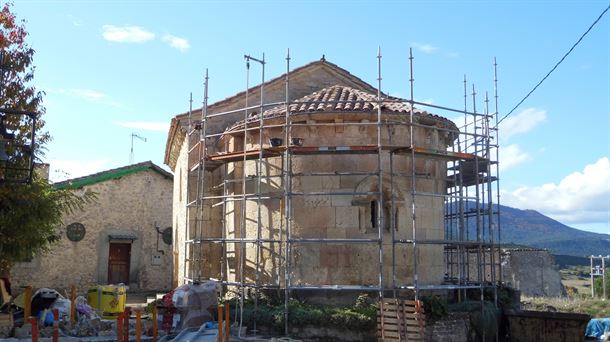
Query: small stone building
(532, 271)
(336, 195)
(125, 237)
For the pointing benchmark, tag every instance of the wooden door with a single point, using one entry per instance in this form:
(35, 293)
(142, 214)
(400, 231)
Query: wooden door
(119, 257)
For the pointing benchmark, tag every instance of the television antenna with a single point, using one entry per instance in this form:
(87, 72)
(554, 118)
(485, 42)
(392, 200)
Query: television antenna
(134, 135)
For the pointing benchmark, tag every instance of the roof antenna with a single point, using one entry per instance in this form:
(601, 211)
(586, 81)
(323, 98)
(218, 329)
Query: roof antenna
(323, 59)
(134, 135)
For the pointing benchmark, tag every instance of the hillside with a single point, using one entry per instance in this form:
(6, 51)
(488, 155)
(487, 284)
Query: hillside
(531, 228)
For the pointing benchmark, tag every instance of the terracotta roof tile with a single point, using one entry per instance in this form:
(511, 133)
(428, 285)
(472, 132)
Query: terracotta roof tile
(337, 98)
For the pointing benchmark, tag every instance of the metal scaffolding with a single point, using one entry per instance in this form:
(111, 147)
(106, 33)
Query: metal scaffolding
(218, 180)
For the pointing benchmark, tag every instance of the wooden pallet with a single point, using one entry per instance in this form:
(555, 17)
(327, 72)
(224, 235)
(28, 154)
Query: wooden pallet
(400, 320)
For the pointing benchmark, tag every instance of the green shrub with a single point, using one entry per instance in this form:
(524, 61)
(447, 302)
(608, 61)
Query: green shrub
(361, 317)
(435, 307)
(599, 290)
(483, 318)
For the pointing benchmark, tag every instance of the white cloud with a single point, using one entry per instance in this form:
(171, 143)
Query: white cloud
(581, 197)
(145, 125)
(176, 42)
(431, 49)
(63, 169)
(87, 95)
(425, 48)
(511, 156)
(523, 122)
(127, 34)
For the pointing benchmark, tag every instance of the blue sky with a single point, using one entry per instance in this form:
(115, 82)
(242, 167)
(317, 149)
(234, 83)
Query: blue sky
(113, 68)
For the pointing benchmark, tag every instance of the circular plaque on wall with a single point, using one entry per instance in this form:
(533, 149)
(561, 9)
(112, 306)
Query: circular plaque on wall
(75, 231)
(167, 235)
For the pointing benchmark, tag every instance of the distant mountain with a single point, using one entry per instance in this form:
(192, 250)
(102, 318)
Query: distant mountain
(531, 228)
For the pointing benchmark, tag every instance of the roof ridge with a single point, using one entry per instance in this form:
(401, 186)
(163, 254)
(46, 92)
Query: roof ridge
(118, 172)
(296, 70)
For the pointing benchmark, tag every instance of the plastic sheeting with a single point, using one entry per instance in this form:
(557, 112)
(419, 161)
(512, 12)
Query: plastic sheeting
(192, 302)
(597, 327)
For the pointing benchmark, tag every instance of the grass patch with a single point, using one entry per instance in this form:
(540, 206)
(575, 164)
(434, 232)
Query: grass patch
(593, 306)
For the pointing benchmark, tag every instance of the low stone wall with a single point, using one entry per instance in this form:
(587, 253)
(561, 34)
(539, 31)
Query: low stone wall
(453, 328)
(331, 334)
(528, 326)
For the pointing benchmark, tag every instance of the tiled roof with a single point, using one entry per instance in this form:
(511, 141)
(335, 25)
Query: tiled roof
(338, 99)
(79, 182)
(341, 98)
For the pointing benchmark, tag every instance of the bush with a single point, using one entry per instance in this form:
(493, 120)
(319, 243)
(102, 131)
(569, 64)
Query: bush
(483, 318)
(599, 290)
(435, 307)
(361, 317)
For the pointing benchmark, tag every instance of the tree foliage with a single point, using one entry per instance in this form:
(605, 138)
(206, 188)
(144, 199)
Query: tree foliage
(598, 285)
(30, 214)
(17, 91)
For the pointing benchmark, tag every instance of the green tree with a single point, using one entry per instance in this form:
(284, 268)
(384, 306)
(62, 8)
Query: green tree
(30, 214)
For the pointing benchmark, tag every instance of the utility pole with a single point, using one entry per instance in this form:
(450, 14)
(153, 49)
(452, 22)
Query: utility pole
(596, 270)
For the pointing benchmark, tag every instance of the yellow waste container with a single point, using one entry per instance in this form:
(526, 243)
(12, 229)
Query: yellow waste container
(108, 300)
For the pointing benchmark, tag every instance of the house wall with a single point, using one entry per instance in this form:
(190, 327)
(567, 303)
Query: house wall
(179, 214)
(325, 216)
(130, 205)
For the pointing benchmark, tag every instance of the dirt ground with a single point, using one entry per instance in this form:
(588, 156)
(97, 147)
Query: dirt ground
(577, 278)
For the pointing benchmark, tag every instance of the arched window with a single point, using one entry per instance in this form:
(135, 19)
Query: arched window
(374, 217)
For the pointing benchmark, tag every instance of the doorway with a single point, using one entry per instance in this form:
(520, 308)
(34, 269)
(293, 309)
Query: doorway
(119, 257)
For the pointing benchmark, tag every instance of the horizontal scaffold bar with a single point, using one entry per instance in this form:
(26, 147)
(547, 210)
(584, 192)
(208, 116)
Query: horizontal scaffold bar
(314, 150)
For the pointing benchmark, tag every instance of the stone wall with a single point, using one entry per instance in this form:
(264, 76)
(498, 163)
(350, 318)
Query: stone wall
(453, 328)
(533, 272)
(179, 214)
(129, 206)
(323, 216)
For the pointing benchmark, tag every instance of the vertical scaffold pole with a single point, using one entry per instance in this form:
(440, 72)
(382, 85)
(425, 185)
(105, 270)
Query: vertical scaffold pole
(413, 180)
(380, 204)
(464, 221)
(497, 145)
(202, 157)
(475, 144)
(259, 170)
(287, 172)
(490, 224)
(242, 232)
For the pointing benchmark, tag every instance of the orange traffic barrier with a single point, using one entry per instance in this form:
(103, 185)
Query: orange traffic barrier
(27, 302)
(155, 327)
(126, 329)
(119, 327)
(73, 304)
(138, 325)
(227, 331)
(34, 323)
(55, 325)
(220, 315)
